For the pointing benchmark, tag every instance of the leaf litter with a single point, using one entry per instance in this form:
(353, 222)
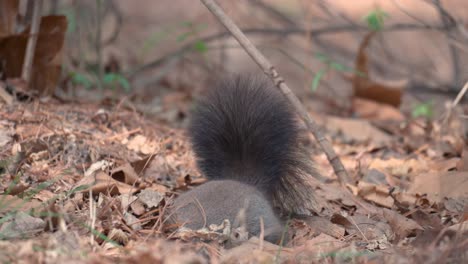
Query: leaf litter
(91, 183)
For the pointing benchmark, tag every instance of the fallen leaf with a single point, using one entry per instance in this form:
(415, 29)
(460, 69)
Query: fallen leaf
(150, 198)
(47, 60)
(374, 111)
(125, 174)
(437, 186)
(140, 143)
(8, 13)
(401, 226)
(378, 194)
(383, 91)
(325, 226)
(101, 182)
(358, 131)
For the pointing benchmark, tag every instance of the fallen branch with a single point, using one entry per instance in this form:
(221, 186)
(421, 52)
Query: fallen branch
(271, 72)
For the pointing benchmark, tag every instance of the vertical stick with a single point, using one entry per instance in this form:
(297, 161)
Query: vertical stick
(31, 46)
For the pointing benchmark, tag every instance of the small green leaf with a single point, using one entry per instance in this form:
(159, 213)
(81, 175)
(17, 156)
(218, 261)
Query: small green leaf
(423, 110)
(317, 78)
(81, 79)
(200, 46)
(375, 19)
(114, 79)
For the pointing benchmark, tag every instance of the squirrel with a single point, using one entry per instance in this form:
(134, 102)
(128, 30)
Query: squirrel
(245, 135)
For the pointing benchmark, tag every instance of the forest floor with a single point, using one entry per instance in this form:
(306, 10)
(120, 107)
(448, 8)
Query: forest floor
(90, 182)
(87, 178)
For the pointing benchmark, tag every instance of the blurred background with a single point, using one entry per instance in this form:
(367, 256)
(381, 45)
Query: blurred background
(159, 55)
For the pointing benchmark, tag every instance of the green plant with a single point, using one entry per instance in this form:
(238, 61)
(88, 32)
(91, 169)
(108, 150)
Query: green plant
(329, 65)
(375, 19)
(425, 109)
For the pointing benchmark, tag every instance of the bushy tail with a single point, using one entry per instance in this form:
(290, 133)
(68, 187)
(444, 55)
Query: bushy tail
(245, 130)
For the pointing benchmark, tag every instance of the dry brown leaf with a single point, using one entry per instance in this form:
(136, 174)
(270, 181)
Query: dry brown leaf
(378, 194)
(404, 199)
(322, 225)
(399, 167)
(101, 182)
(462, 164)
(125, 174)
(440, 185)
(141, 144)
(365, 87)
(138, 207)
(140, 166)
(401, 226)
(8, 14)
(363, 226)
(47, 56)
(150, 198)
(376, 112)
(427, 221)
(360, 131)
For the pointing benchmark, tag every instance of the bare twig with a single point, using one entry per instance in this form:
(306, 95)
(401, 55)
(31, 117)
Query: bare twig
(270, 71)
(31, 46)
(460, 95)
(274, 12)
(284, 32)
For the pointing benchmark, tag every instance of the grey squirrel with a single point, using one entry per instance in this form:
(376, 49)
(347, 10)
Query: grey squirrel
(245, 137)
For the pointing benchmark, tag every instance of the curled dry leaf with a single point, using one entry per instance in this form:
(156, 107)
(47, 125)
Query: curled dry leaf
(125, 174)
(101, 182)
(387, 92)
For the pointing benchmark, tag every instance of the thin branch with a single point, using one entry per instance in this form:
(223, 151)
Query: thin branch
(274, 12)
(284, 32)
(31, 46)
(270, 71)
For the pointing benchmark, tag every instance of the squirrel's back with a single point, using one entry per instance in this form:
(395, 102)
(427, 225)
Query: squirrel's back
(245, 131)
